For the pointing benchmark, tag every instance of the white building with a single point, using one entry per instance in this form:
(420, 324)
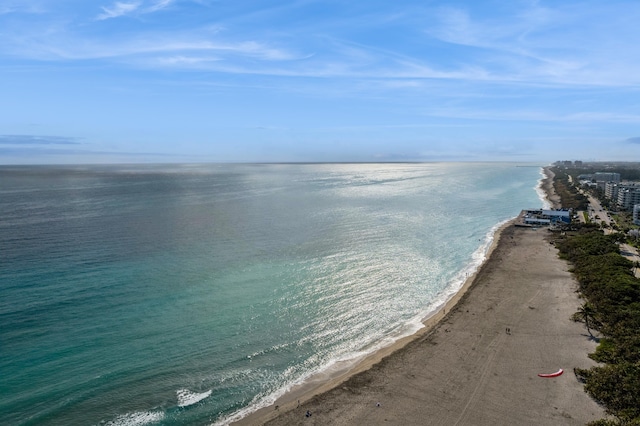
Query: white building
(606, 177)
(545, 217)
(636, 214)
(611, 190)
(628, 197)
(557, 215)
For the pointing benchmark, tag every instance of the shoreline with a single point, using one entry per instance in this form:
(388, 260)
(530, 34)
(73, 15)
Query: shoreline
(546, 185)
(336, 399)
(323, 382)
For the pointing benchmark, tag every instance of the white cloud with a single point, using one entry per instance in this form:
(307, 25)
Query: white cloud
(124, 8)
(117, 10)
(20, 6)
(185, 61)
(566, 44)
(159, 5)
(187, 50)
(524, 45)
(542, 115)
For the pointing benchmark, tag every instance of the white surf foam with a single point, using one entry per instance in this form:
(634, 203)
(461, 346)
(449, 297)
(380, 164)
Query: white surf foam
(137, 419)
(542, 194)
(186, 397)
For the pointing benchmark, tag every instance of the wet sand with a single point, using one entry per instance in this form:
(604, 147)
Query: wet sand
(476, 362)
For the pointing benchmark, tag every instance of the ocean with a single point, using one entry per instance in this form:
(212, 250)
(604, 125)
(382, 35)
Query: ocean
(196, 294)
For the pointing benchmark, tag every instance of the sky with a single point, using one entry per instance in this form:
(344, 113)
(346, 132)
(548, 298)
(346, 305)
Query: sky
(158, 81)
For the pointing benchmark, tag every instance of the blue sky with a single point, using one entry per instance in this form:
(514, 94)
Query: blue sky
(217, 81)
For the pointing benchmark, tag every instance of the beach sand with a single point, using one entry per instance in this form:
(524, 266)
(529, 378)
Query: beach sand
(547, 187)
(464, 368)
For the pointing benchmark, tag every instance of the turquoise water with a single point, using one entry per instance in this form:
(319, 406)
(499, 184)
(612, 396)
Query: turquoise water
(194, 294)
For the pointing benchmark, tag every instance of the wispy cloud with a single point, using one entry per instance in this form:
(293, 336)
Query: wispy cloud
(159, 5)
(38, 140)
(530, 115)
(187, 49)
(21, 6)
(117, 10)
(564, 44)
(524, 43)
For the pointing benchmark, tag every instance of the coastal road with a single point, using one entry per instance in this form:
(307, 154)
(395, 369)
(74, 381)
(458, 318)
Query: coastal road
(631, 253)
(596, 212)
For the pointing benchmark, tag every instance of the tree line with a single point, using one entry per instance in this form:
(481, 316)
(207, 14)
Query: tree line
(611, 307)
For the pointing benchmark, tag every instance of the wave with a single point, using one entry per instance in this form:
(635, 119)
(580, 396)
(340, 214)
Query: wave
(187, 398)
(140, 418)
(542, 194)
(137, 419)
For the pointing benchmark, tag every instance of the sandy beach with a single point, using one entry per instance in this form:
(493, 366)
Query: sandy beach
(477, 361)
(547, 187)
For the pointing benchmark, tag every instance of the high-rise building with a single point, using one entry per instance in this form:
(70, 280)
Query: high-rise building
(628, 197)
(611, 190)
(636, 214)
(606, 177)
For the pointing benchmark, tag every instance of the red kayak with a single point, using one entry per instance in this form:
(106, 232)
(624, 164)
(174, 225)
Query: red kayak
(556, 374)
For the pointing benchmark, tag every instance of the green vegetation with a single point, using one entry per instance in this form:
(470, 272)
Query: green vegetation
(612, 308)
(630, 171)
(624, 221)
(570, 197)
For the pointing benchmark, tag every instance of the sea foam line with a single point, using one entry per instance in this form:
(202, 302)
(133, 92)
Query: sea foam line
(138, 418)
(479, 256)
(542, 194)
(187, 398)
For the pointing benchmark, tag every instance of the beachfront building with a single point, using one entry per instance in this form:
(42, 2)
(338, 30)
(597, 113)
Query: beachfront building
(628, 197)
(611, 190)
(534, 221)
(636, 214)
(542, 217)
(606, 177)
(557, 216)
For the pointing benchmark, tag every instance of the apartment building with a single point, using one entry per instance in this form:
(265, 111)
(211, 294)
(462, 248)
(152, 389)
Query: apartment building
(628, 197)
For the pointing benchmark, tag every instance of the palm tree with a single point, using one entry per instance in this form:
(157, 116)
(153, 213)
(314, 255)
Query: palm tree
(586, 313)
